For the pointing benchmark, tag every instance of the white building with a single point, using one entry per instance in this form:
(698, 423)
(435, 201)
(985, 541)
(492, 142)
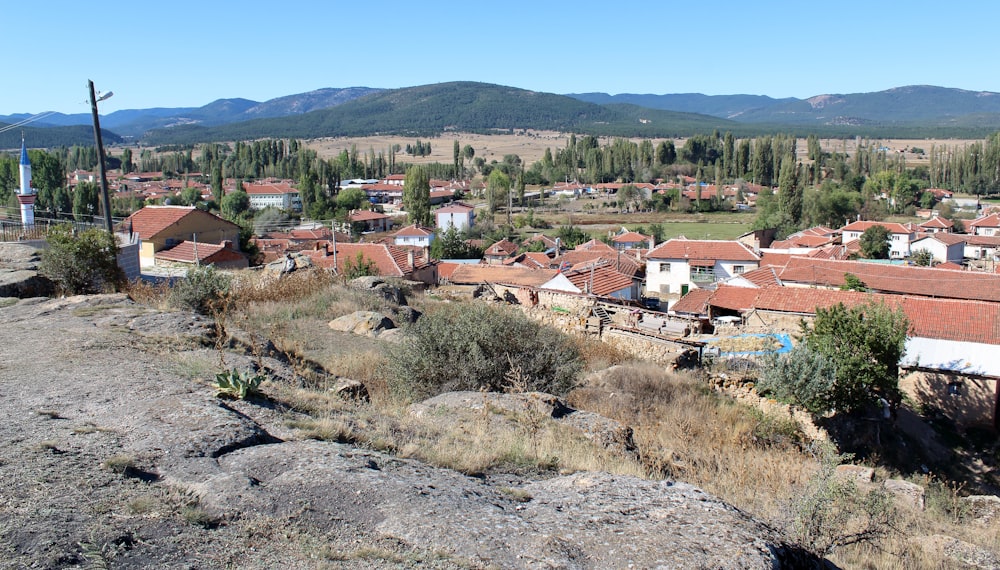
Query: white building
(943, 247)
(414, 235)
(458, 215)
(678, 265)
(900, 236)
(279, 195)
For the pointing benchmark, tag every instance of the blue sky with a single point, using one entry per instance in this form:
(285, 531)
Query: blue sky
(187, 54)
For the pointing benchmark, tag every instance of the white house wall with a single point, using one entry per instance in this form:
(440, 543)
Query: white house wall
(951, 355)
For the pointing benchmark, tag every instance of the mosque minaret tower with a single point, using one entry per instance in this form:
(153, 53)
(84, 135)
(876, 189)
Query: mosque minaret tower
(26, 194)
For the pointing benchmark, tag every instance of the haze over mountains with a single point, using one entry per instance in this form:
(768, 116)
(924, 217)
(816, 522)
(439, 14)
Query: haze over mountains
(430, 110)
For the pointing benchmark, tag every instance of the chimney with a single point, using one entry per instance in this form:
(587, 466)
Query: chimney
(427, 255)
(409, 258)
(652, 242)
(316, 246)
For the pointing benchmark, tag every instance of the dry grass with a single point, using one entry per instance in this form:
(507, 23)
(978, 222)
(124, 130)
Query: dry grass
(684, 431)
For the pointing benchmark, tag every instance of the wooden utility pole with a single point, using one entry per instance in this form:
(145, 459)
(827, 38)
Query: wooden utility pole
(105, 200)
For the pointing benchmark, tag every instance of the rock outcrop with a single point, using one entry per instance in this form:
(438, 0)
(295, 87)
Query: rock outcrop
(115, 454)
(364, 323)
(19, 275)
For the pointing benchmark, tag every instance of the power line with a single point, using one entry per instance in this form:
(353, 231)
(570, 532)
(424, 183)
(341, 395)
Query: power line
(26, 121)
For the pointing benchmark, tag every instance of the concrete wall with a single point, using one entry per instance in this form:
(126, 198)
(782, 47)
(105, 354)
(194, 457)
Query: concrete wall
(128, 260)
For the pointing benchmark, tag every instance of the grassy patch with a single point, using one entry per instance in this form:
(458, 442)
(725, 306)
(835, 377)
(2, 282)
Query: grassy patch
(7, 302)
(121, 464)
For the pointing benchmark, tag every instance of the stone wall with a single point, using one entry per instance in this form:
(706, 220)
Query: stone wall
(660, 352)
(965, 400)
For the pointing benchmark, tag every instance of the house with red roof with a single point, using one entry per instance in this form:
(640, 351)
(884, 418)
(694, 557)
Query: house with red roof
(387, 260)
(499, 251)
(373, 221)
(936, 224)
(163, 227)
(414, 236)
(944, 247)
(988, 225)
(678, 265)
(632, 240)
(982, 247)
(192, 254)
(900, 235)
(458, 215)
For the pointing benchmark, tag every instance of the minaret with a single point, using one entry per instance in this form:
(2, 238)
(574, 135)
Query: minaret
(26, 195)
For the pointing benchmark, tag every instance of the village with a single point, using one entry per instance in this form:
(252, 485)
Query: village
(677, 296)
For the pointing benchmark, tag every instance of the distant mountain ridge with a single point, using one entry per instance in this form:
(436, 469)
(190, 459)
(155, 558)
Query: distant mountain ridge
(916, 110)
(928, 104)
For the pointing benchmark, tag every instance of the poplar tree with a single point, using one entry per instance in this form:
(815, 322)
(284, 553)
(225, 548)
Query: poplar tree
(417, 195)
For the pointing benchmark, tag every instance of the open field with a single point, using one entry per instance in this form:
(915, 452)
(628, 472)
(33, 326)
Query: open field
(531, 145)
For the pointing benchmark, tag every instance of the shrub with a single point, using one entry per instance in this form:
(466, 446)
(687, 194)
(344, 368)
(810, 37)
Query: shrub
(480, 347)
(81, 264)
(801, 376)
(833, 512)
(202, 290)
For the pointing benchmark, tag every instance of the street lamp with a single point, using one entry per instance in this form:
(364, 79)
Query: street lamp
(100, 155)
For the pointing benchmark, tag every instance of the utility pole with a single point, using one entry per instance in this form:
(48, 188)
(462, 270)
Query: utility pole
(105, 200)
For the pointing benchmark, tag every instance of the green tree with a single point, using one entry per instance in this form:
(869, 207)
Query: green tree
(351, 198)
(417, 195)
(865, 343)
(875, 243)
(235, 204)
(86, 201)
(497, 188)
(853, 283)
(81, 264)
(922, 257)
(360, 266)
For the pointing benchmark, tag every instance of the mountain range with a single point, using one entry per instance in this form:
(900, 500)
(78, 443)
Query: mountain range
(430, 110)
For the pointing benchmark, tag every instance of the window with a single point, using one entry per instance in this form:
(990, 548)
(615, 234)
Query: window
(739, 269)
(664, 268)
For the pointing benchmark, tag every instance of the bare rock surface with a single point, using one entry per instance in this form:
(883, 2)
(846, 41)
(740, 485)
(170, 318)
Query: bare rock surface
(19, 275)
(364, 323)
(114, 454)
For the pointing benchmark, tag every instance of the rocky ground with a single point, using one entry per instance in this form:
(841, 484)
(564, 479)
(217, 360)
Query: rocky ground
(110, 456)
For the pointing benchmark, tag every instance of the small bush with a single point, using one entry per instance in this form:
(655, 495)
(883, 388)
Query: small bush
(236, 384)
(202, 290)
(801, 376)
(475, 347)
(833, 512)
(81, 264)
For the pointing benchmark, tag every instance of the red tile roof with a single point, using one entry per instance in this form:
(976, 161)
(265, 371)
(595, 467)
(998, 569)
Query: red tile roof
(937, 222)
(455, 208)
(595, 245)
(152, 220)
(600, 280)
(503, 247)
(390, 261)
(475, 274)
(269, 188)
(863, 225)
(896, 279)
(204, 253)
(630, 237)
(762, 277)
(366, 215)
(990, 221)
(695, 302)
(734, 298)
(414, 230)
(717, 250)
